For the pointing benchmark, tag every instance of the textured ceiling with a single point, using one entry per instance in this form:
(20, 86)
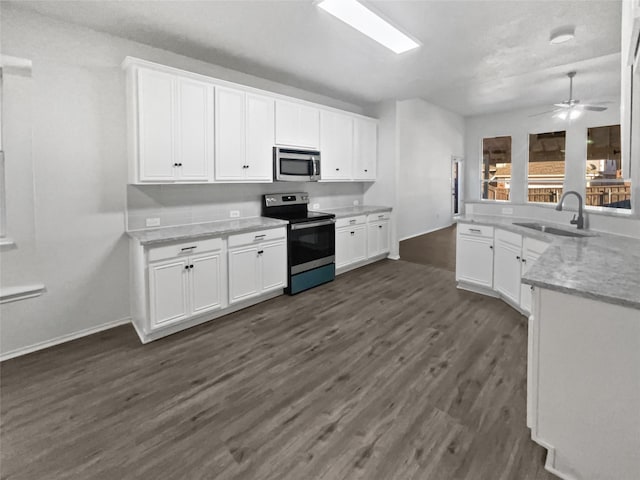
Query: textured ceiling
(476, 57)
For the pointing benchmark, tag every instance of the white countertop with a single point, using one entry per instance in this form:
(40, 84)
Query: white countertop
(154, 236)
(342, 212)
(599, 266)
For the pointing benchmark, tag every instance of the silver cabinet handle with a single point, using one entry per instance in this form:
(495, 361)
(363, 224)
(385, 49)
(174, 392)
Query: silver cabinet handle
(352, 222)
(477, 230)
(258, 237)
(188, 248)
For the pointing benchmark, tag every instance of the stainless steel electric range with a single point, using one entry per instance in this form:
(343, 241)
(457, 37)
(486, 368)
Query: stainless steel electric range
(310, 237)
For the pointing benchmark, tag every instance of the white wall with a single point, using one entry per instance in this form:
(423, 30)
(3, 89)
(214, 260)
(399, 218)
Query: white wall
(79, 175)
(427, 137)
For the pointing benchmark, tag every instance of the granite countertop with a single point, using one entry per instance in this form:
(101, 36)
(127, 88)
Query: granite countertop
(599, 265)
(156, 236)
(342, 212)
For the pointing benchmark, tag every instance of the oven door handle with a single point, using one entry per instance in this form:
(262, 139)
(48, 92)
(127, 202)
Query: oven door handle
(320, 223)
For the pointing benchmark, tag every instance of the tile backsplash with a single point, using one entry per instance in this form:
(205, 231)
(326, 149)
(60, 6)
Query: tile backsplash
(181, 204)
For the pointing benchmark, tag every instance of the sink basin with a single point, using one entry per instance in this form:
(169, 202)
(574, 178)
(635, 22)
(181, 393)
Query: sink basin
(547, 229)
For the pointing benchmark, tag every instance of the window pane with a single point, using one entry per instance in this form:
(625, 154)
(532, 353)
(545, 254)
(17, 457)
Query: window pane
(496, 168)
(546, 167)
(605, 185)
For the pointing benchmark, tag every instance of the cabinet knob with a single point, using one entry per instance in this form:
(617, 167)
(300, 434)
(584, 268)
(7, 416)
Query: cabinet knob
(518, 257)
(260, 252)
(186, 267)
(337, 169)
(379, 226)
(190, 266)
(353, 233)
(491, 247)
(175, 164)
(524, 260)
(366, 170)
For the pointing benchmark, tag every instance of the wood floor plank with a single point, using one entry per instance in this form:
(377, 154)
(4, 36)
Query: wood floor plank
(387, 373)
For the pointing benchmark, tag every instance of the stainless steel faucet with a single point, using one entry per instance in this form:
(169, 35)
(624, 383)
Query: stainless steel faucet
(574, 221)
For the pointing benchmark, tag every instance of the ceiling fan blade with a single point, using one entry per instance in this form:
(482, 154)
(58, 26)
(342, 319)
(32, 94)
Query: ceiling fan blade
(543, 113)
(591, 108)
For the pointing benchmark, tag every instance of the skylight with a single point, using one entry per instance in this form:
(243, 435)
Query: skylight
(364, 20)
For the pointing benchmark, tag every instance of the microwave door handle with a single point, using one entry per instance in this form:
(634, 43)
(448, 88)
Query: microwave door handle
(316, 167)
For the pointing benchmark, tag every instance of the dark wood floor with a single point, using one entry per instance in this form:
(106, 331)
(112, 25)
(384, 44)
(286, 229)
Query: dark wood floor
(389, 372)
(436, 248)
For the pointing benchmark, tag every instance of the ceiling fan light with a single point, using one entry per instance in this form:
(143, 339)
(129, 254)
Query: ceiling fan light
(574, 114)
(562, 115)
(561, 35)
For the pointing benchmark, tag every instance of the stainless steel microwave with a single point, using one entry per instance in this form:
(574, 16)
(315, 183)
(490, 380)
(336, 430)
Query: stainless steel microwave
(293, 165)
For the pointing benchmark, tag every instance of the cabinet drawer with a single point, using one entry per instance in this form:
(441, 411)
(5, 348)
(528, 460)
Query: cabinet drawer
(257, 236)
(473, 229)
(186, 248)
(348, 221)
(374, 217)
(512, 238)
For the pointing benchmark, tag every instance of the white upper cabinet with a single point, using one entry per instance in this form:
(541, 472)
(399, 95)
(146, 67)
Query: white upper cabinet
(186, 127)
(260, 137)
(336, 145)
(297, 125)
(155, 122)
(174, 128)
(244, 136)
(365, 149)
(194, 129)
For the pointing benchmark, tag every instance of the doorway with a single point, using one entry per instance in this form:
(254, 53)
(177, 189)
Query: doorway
(456, 186)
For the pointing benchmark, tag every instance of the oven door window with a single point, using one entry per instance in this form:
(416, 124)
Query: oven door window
(296, 167)
(308, 244)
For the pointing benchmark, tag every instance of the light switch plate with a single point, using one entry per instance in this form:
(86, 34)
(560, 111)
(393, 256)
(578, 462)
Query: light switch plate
(234, 213)
(153, 222)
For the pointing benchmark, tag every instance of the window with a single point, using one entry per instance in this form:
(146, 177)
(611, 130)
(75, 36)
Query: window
(545, 173)
(496, 168)
(606, 186)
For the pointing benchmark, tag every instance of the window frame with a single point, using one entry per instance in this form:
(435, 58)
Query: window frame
(528, 162)
(481, 165)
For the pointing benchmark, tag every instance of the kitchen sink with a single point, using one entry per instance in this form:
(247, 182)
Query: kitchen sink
(555, 231)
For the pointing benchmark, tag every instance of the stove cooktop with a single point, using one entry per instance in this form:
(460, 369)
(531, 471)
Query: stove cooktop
(300, 217)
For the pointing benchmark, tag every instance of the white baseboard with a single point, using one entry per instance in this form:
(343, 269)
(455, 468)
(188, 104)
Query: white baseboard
(425, 232)
(62, 339)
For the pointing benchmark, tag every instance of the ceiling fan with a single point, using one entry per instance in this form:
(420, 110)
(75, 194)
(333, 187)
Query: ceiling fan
(572, 108)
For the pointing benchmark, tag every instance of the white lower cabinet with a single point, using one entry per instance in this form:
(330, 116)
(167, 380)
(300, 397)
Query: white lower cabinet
(168, 291)
(179, 285)
(378, 242)
(474, 255)
(351, 241)
(257, 264)
(495, 260)
(531, 251)
(184, 284)
(507, 262)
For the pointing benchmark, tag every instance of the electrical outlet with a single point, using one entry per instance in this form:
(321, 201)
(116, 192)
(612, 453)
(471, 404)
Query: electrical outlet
(315, 206)
(507, 211)
(356, 202)
(153, 222)
(234, 213)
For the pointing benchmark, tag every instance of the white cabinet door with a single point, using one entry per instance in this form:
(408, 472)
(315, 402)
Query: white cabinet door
(506, 265)
(365, 149)
(260, 137)
(194, 128)
(297, 125)
(358, 237)
(168, 300)
(309, 127)
(230, 134)
(343, 240)
(273, 266)
(474, 260)
(156, 135)
(377, 238)
(531, 251)
(206, 282)
(336, 145)
(244, 274)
